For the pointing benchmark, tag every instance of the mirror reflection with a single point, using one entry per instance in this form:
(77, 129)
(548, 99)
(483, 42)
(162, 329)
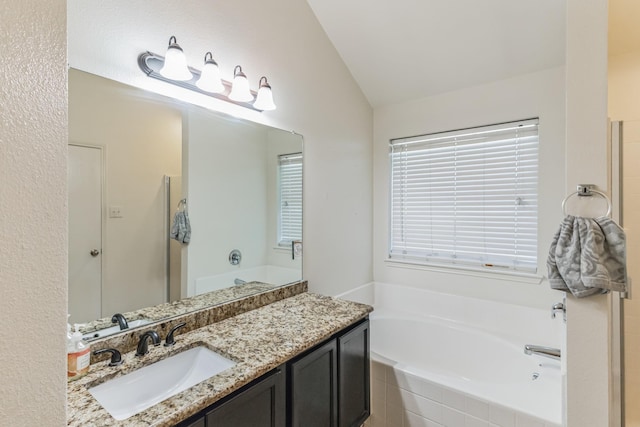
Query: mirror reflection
(140, 163)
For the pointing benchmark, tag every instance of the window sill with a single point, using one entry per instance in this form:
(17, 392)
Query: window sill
(506, 275)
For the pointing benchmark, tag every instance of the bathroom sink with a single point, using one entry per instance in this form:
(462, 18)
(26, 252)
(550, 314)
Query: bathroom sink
(130, 394)
(113, 330)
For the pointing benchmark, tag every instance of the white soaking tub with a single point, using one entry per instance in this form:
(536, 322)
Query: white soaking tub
(445, 360)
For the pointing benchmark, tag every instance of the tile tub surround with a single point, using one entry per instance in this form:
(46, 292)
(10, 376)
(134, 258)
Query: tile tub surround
(399, 399)
(258, 340)
(205, 310)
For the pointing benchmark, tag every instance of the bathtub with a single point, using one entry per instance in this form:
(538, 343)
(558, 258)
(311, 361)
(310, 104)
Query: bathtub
(444, 360)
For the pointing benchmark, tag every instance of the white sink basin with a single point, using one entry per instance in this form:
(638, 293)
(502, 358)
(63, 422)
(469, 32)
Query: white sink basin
(113, 330)
(130, 394)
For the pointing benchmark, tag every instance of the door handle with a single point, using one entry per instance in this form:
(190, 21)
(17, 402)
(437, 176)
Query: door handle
(94, 252)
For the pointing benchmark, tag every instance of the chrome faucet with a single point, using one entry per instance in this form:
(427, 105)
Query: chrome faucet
(120, 320)
(239, 282)
(552, 353)
(142, 344)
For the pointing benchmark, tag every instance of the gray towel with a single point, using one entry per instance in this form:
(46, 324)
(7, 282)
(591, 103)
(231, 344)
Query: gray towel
(181, 228)
(588, 256)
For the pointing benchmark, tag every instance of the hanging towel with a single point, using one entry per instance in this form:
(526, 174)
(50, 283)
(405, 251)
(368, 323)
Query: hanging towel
(181, 228)
(588, 256)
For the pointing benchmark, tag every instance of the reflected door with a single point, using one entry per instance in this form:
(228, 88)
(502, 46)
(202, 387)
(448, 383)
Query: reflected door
(85, 233)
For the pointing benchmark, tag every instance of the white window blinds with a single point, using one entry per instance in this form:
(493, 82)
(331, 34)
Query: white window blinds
(467, 197)
(290, 197)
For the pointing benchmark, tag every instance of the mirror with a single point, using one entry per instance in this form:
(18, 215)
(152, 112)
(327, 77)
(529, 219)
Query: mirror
(138, 160)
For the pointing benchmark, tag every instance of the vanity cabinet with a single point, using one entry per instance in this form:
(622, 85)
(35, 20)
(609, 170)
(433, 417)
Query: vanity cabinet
(326, 386)
(261, 403)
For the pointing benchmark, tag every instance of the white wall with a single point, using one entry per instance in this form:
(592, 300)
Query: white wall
(33, 212)
(587, 345)
(534, 95)
(315, 94)
(142, 140)
(227, 200)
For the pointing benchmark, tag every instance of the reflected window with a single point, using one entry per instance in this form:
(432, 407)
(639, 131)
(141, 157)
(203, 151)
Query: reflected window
(290, 198)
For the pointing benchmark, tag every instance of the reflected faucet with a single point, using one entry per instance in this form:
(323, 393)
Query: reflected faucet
(142, 344)
(239, 282)
(120, 320)
(552, 353)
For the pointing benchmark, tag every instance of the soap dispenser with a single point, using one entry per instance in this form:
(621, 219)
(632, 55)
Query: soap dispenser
(78, 355)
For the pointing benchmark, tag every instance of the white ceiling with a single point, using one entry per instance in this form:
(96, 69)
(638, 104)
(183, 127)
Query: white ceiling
(398, 50)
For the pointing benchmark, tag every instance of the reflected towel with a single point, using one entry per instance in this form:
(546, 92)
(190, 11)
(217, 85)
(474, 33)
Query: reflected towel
(181, 228)
(588, 256)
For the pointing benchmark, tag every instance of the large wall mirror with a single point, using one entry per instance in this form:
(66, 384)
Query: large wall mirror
(136, 161)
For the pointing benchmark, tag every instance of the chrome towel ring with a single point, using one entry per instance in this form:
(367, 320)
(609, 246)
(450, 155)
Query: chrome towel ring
(586, 190)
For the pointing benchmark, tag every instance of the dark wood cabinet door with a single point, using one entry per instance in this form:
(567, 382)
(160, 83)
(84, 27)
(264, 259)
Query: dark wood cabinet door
(262, 404)
(354, 376)
(313, 388)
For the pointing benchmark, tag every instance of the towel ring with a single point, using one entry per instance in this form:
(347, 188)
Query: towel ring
(182, 204)
(586, 190)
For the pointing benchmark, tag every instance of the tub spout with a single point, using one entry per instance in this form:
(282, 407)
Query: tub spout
(552, 353)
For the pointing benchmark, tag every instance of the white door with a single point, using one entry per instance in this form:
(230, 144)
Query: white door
(85, 233)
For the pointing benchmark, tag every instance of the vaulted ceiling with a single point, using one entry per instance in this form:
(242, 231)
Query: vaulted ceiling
(398, 50)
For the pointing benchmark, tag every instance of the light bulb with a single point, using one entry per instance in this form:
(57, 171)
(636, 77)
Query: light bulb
(240, 88)
(264, 100)
(175, 63)
(209, 80)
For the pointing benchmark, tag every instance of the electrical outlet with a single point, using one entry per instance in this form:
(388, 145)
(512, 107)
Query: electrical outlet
(115, 212)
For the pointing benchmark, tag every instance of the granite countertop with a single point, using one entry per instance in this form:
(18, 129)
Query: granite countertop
(258, 340)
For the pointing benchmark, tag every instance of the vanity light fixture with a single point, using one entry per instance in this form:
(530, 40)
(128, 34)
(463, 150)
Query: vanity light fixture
(240, 88)
(210, 80)
(175, 63)
(264, 100)
(207, 82)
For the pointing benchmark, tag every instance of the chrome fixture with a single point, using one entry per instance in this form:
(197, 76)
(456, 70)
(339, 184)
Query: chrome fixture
(586, 190)
(142, 344)
(559, 306)
(173, 68)
(552, 353)
(239, 282)
(235, 256)
(120, 320)
(116, 357)
(169, 341)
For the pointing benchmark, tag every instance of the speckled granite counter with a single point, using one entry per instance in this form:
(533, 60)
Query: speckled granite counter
(258, 340)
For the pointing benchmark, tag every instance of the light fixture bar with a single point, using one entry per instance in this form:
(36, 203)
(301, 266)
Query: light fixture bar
(150, 63)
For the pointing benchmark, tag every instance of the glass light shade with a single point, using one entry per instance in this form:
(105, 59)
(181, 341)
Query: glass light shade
(240, 88)
(210, 80)
(175, 63)
(264, 100)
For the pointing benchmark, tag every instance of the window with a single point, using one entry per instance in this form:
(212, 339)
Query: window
(290, 198)
(467, 197)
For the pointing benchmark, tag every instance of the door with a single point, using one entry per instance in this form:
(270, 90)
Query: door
(85, 232)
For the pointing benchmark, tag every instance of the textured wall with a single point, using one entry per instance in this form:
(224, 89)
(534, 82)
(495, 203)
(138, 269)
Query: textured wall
(33, 224)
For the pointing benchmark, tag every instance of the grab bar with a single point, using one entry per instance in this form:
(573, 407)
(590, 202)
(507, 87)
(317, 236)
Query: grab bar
(552, 353)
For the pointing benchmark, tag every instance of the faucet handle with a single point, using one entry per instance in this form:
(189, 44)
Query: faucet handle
(116, 357)
(169, 341)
